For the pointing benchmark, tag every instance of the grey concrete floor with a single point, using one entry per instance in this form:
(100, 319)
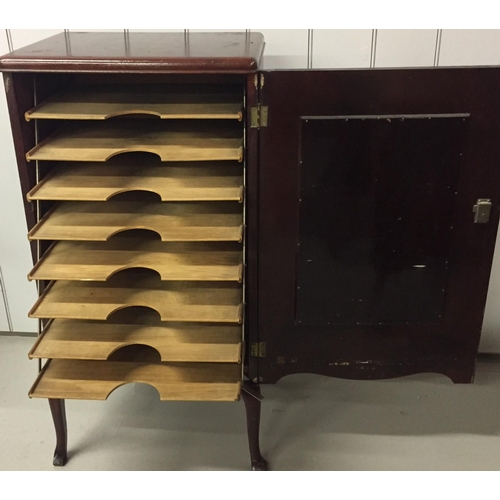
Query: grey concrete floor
(422, 422)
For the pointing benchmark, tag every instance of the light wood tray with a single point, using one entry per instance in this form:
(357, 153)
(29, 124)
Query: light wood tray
(173, 261)
(101, 104)
(171, 141)
(96, 380)
(175, 342)
(174, 301)
(98, 221)
(210, 181)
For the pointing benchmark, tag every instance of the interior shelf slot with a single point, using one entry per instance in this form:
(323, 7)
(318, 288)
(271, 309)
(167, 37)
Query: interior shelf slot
(175, 342)
(211, 181)
(173, 300)
(95, 380)
(166, 103)
(98, 221)
(172, 261)
(170, 140)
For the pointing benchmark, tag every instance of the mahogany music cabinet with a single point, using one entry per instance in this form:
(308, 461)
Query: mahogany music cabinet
(204, 226)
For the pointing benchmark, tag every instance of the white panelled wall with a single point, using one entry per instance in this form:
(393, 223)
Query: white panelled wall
(297, 48)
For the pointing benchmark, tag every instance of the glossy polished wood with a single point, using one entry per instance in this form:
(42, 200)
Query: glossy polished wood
(58, 411)
(140, 52)
(445, 345)
(252, 399)
(381, 228)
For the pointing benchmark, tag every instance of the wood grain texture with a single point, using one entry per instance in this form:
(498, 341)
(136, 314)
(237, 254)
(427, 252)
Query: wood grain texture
(95, 380)
(172, 261)
(175, 342)
(171, 141)
(174, 301)
(209, 181)
(97, 221)
(101, 104)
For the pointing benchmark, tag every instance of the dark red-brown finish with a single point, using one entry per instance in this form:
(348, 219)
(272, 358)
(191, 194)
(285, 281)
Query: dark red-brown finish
(140, 53)
(58, 410)
(377, 210)
(252, 233)
(370, 350)
(252, 399)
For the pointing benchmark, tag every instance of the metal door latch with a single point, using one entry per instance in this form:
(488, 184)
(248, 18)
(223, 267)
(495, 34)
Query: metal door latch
(482, 210)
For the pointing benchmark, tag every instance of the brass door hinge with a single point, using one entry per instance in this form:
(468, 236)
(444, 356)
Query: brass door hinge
(258, 81)
(258, 350)
(258, 116)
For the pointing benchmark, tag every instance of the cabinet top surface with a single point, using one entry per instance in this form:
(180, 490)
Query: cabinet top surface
(140, 53)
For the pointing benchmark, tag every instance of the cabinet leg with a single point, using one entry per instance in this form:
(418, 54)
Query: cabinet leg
(252, 399)
(58, 410)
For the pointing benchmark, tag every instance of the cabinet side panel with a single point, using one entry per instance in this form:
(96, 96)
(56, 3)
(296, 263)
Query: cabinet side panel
(19, 89)
(15, 253)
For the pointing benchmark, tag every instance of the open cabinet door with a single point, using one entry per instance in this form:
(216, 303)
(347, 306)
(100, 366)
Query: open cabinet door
(372, 261)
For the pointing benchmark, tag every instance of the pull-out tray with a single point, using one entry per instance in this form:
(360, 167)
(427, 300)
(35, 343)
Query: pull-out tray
(171, 141)
(98, 261)
(98, 221)
(175, 342)
(209, 181)
(96, 380)
(164, 102)
(172, 300)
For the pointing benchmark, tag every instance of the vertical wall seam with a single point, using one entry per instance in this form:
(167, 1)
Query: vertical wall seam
(8, 34)
(126, 38)
(310, 44)
(373, 52)
(5, 302)
(67, 40)
(437, 51)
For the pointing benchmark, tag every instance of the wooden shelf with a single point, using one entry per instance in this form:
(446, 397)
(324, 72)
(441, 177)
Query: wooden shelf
(167, 103)
(171, 141)
(98, 221)
(175, 342)
(95, 380)
(174, 301)
(212, 181)
(173, 261)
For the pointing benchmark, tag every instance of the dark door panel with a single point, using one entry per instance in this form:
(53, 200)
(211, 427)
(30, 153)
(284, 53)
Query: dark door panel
(370, 263)
(376, 215)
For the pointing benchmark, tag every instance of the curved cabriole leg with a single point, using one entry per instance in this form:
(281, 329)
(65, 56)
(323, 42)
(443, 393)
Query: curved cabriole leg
(252, 398)
(58, 410)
